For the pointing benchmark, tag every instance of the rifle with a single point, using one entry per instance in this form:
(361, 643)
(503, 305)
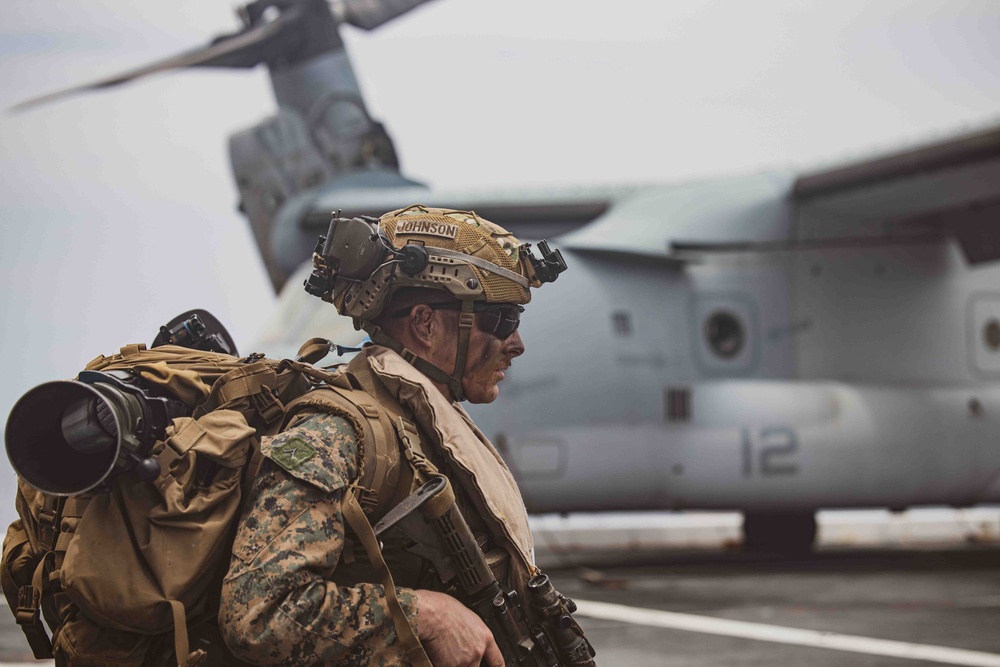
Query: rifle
(542, 633)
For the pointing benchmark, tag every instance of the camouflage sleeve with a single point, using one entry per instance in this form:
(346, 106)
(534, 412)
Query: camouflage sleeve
(280, 602)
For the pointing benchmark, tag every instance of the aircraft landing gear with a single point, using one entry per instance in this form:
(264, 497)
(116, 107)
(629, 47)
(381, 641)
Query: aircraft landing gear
(790, 533)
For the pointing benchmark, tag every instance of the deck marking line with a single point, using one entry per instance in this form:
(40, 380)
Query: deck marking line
(785, 635)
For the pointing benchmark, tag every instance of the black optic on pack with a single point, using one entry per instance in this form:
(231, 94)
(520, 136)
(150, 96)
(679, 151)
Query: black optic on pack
(198, 330)
(72, 436)
(548, 268)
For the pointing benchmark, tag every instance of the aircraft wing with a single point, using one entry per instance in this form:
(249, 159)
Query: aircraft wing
(531, 213)
(941, 189)
(652, 223)
(947, 188)
(951, 187)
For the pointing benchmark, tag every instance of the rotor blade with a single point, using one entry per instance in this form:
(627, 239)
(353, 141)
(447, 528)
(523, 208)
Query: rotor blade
(370, 14)
(242, 49)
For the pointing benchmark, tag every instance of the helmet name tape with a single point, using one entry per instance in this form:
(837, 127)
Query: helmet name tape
(444, 230)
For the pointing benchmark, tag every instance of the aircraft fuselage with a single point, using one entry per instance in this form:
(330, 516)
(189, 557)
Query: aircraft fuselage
(827, 377)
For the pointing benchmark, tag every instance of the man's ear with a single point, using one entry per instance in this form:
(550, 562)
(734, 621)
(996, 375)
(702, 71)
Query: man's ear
(422, 324)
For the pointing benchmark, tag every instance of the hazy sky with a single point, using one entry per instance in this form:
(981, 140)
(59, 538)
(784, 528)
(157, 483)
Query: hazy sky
(117, 209)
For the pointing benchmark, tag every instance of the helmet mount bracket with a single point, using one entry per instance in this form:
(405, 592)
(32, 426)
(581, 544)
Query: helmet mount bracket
(413, 259)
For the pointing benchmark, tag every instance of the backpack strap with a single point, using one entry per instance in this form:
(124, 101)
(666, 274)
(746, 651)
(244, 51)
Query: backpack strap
(29, 602)
(409, 442)
(257, 382)
(25, 601)
(384, 433)
(181, 644)
(132, 350)
(408, 439)
(406, 431)
(362, 528)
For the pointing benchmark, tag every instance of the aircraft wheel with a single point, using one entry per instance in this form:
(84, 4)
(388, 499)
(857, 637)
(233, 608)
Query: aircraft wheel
(779, 532)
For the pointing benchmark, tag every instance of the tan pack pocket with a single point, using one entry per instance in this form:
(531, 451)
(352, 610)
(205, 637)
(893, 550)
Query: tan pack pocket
(82, 643)
(144, 544)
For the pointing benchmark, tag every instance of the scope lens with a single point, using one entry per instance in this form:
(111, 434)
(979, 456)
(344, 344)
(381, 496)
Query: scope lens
(88, 426)
(62, 437)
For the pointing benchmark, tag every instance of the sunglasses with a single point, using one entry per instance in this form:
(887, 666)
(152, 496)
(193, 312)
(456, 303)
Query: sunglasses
(499, 319)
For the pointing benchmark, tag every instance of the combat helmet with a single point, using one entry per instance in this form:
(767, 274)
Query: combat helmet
(363, 261)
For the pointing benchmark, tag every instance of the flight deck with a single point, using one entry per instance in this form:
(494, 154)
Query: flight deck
(881, 589)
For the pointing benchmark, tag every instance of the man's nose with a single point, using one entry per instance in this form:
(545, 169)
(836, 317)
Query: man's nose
(514, 345)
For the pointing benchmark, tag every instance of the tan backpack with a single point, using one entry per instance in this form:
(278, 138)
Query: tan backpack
(122, 577)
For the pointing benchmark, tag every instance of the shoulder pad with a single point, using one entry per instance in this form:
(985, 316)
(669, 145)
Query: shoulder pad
(334, 399)
(377, 450)
(321, 450)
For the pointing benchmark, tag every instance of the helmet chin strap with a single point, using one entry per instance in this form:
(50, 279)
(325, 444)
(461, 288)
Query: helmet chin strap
(466, 320)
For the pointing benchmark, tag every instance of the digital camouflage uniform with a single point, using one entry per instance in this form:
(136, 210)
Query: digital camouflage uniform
(281, 602)
(292, 595)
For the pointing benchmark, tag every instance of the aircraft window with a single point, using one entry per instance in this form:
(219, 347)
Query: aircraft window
(991, 334)
(622, 323)
(725, 334)
(677, 401)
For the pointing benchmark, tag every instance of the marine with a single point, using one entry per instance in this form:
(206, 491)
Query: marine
(440, 293)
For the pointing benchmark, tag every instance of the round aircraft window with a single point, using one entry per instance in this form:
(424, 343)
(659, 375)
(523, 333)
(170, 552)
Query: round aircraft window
(725, 334)
(991, 334)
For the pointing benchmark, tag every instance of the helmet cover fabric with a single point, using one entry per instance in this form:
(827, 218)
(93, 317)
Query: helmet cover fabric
(495, 271)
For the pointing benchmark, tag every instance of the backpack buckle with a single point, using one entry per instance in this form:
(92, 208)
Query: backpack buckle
(407, 433)
(47, 532)
(28, 600)
(367, 499)
(268, 405)
(409, 438)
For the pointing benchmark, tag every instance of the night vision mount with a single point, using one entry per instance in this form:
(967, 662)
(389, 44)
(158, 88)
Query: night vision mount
(548, 268)
(353, 249)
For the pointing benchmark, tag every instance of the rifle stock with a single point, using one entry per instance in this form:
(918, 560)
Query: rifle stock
(538, 633)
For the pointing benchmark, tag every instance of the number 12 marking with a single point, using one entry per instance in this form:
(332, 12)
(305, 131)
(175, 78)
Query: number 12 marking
(777, 449)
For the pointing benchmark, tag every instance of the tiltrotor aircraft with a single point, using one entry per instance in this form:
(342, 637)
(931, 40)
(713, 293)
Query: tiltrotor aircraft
(774, 344)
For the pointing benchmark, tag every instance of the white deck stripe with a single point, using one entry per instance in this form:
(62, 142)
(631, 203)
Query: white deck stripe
(784, 635)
